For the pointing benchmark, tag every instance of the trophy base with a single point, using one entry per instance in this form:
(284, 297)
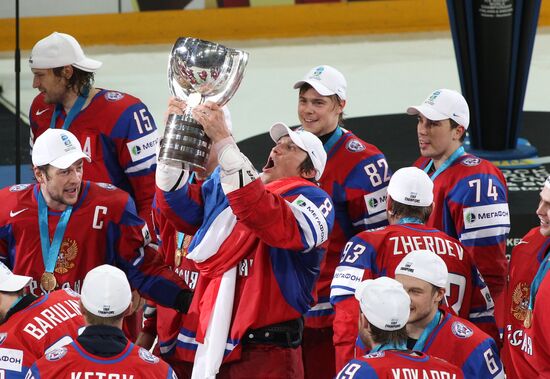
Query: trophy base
(185, 144)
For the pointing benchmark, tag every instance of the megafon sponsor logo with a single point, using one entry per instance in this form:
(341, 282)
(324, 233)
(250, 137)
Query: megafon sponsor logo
(143, 147)
(486, 215)
(376, 201)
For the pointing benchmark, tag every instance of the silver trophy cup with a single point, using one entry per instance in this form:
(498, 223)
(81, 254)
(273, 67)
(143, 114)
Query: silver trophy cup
(198, 71)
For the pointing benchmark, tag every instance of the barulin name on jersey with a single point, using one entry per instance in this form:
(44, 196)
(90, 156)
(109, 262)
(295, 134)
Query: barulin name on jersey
(51, 317)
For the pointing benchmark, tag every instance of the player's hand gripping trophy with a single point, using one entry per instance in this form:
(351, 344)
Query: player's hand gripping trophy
(198, 71)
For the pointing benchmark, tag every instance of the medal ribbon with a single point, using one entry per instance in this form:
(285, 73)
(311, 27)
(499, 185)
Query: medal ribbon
(50, 252)
(541, 273)
(419, 345)
(410, 220)
(389, 346)
(76, 108)
(454, 156)
(181, 237)
(333, 139)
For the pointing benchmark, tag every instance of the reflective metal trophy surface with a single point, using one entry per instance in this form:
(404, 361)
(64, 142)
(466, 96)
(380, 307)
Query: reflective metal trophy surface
(198, 71)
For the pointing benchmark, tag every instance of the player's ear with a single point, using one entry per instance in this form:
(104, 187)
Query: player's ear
(459, 131)
(342, 104)
(67, 72)
(308, 174)
(38, 174)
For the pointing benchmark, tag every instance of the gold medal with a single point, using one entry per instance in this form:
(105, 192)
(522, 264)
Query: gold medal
(177, 257)
(47, 281)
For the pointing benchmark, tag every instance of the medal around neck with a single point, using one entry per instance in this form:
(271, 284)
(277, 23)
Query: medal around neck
(48, 281)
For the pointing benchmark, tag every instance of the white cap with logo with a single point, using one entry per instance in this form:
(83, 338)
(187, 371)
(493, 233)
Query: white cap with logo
(58, 50)
(443, 104)
(411, 186)
(384, 302)
(106, 291)
(57, 147)
(306, 141)
(9, 282)
(425, 265)
(326, 80)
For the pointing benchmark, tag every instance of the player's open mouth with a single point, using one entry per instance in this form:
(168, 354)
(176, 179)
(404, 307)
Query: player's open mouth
(270, 164)
(543, 223)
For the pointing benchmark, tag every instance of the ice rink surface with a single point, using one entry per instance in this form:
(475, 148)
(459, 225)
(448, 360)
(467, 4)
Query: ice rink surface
(385, 74)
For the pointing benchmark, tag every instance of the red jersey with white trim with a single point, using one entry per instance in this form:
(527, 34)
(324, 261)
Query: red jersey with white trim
(277, 244)
(471, 205)
(73, 362)
(396, 364)
(518, 351)
(119, 134)
(161, 321)
(356, 177)
(461, 343)
(50, 321)
(541, 329)
(103, 229)
(372, 254)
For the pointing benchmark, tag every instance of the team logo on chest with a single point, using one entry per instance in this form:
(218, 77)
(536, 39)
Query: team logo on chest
(107, 186)
(113, 96)
(520, 301)
(355, 146)
(147, 356)
(67, 254)
(378, 354)
(471, 161)
(460, 330)
(19, 187)
(56, 354)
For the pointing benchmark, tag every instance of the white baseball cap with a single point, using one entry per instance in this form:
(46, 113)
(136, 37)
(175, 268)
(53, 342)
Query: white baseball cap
(306, 141)
(57, 147)
(9, 282)
(411, 186)
(58, 50)
(547, 182)
(106, 291)
(425, 265)
(326, 80)
(384, 302)
(443, 104)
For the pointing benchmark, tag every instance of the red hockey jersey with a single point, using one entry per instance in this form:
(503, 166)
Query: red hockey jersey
(518, 353)
(541, 330)
(119, 134)
(377, 253)
(73, 362)
(356, 178)
(50, 321)
(103, 229)
(164, 322)
(461, 343)
(471, 205)
(277, 245)
(395, 364)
